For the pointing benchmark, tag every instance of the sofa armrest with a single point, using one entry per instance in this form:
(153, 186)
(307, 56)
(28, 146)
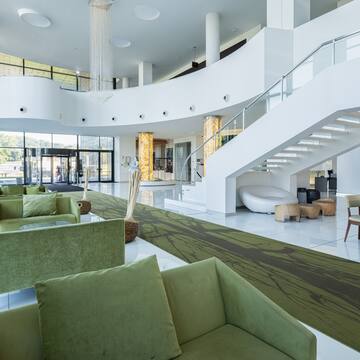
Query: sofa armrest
(249, 309)
(75, 210)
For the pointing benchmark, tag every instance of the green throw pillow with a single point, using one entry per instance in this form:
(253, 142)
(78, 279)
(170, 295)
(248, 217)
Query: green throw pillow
(33, 190)
(13, 190)
(35, 205)
(119, 313)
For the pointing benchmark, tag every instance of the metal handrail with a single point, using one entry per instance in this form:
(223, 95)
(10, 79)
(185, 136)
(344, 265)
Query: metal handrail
(255, 100)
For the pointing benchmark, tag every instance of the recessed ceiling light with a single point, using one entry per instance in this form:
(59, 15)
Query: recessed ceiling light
(34, 18)
(147, 13)
(120, 43)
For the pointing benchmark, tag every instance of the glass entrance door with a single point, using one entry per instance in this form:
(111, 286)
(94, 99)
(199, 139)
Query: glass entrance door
(60, 169)
(182, 151)
(105, 166)
(46, 170)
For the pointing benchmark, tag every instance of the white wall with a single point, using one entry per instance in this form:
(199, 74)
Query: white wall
(348, 172)
(341, 21)
(125, 149)
(242, 75)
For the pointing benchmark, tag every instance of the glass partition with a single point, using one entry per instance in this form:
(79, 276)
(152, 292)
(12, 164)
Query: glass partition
(37, 140)
(64, 141)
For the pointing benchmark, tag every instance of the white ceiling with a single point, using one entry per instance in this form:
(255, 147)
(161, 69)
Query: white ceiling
(166, 42)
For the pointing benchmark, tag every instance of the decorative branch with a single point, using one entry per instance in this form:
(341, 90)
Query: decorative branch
(86, 185)
(134, 183)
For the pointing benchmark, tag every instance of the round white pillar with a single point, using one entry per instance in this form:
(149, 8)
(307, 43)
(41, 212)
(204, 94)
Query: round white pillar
(125, 82)
(212, 38)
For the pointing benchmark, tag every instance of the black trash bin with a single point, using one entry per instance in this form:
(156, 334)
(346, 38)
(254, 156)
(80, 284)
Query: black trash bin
(312, 195)
(302, 195)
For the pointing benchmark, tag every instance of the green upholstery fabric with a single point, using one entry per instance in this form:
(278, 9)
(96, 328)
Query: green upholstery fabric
(255, 329)
(21, 325)
(35, 255)
(33, 190)
(249, 309)
(107, 315)
(34, 205)
(191, 283)
(229, 343)
(12, 208)
(12, 190)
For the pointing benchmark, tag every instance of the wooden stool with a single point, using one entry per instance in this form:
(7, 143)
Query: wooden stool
(286, 212)
(327, 206)
(310, 211)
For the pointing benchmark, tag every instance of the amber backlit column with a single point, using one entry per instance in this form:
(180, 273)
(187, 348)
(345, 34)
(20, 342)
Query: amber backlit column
(211, 125)
(146, 149)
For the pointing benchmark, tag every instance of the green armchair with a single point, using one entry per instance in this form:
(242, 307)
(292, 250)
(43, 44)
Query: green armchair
(11, 213)
(217, 316)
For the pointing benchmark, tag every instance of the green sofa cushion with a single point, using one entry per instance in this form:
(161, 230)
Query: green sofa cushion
(12, 190)
(230, 343)
(34, 205)
(184, 287)
(33, 190)
(16, 224)
(119, 313)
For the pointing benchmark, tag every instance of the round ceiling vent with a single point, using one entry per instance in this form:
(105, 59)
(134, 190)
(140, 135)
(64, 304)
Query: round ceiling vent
(147, 13)
(120, 43)
(34, 18)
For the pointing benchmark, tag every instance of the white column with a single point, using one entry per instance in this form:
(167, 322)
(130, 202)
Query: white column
(145, 73)
(101, 52)
(124, 153)
(212, 38)
(287, 14)
(125, 82)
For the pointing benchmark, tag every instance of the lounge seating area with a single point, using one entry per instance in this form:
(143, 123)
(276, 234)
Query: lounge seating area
(199, 311)
(263, 199)
(33, 211)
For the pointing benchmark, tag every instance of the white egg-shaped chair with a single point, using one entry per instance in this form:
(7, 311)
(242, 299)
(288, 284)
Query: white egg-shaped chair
(263, 199)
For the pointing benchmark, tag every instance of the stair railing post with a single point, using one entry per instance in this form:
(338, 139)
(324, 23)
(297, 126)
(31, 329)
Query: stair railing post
(333, 52)
(282, 88)
(243, 119)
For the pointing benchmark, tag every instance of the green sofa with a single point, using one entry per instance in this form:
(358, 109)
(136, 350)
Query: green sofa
(217, 316)
(11, 213)
(33, 255)
(17, 190)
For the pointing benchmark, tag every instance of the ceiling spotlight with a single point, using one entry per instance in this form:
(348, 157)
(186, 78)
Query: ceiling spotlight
(120, 43)
(147, 13)
(34, 18)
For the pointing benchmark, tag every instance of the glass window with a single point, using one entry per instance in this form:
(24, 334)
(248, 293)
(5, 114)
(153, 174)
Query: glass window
(64, 141)
(91, 160)
(10, 59)
(11, 139)
(10, 70)
(106, 143)
(11, 166)
(37, 140)
(33, 68)
(89, 142)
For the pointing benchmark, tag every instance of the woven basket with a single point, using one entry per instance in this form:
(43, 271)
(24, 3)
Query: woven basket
(85, 206)
(131, 230)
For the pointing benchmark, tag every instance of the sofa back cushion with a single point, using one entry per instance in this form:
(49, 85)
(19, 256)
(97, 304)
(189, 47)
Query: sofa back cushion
(195, 299)
(118, 313)
(20, 334)
(11, 208)
(36, 205)
(63, 204)
(12, 190)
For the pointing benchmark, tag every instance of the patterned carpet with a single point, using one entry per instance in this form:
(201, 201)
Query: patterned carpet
(322, 291)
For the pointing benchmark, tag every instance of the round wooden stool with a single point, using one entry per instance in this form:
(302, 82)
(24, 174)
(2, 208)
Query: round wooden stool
(327, 206)
(310, 211)
(287, 212)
